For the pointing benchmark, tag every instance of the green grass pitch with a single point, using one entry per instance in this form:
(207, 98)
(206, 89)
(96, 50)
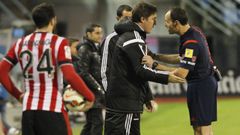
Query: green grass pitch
(172, 119)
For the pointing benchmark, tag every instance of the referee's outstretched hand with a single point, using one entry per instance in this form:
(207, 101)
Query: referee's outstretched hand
(175, 79)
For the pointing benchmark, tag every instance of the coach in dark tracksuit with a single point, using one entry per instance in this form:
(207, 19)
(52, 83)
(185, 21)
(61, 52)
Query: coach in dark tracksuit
(89, 69)
(196, 66)
(127, 90)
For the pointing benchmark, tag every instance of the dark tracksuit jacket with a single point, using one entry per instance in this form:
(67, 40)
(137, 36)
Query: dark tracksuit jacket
(128, 89)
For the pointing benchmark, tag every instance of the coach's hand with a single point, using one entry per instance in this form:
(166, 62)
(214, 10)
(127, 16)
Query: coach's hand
(147, 60)
(175, 79)
(151, 106)
(87, 106)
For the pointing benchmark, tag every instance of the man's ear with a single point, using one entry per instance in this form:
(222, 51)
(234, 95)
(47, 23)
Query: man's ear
(53, 21)
(143, 19)
(88, 34)
(176, 23)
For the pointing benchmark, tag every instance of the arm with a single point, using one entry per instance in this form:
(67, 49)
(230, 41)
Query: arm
(65, 62)
(167, 58)
(181, 72)
(165, 68)
(84, 54)
(149, 102)
(76, 82)
(149, 95)
(5, 68)
(188, 61)
(147, 60)
(135, 53)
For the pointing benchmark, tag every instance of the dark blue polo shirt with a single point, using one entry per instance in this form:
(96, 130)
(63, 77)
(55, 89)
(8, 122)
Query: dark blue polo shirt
(195, 54)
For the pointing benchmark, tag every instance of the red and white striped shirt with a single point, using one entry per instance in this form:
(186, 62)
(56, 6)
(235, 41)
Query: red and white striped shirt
(40, 55)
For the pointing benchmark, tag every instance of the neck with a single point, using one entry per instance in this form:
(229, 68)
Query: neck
(184, 29)
(45, 29)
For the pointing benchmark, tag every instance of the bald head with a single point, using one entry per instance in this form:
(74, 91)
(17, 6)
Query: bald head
(169, 24)
(175, 19)
(167, 16)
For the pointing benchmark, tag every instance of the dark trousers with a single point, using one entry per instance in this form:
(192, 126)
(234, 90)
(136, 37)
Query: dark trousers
(94, 122)
(122, 123)
(45, 123)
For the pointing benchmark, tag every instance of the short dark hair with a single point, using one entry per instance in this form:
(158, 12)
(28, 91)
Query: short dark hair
(42, 14)
(143, 10)
(179, 14)
(91, 27)
(121, 8)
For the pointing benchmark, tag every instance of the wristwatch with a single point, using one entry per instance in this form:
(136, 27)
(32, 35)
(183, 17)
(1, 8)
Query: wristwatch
(154, 65)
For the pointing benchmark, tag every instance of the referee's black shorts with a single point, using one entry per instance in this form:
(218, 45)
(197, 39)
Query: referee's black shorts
(202, 101)
(37, 122)
(122, 123)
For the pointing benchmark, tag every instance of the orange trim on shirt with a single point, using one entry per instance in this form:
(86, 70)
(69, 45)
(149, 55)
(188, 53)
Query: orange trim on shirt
(190, 41)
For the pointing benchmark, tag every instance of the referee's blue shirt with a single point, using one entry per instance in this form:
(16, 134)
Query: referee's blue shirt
(195, 55)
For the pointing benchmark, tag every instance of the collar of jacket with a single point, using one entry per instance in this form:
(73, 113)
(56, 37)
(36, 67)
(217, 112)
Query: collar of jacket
(140, 30)
(90, 43)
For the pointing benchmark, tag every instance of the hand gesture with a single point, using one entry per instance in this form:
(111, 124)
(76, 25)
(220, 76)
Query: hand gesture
(151, 106)
(147, 60)
(175, 79)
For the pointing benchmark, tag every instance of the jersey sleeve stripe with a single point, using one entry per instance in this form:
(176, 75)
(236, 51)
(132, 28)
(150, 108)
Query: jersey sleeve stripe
(189, 41)
(133, 41)
(156, 71)
(11, 60)
(64, 62)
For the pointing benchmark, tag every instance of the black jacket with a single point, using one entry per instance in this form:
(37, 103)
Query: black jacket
(128, 89)
(107, 49)
(89, 69)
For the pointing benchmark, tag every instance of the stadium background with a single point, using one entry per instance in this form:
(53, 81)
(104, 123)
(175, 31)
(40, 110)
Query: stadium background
(219, 19)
